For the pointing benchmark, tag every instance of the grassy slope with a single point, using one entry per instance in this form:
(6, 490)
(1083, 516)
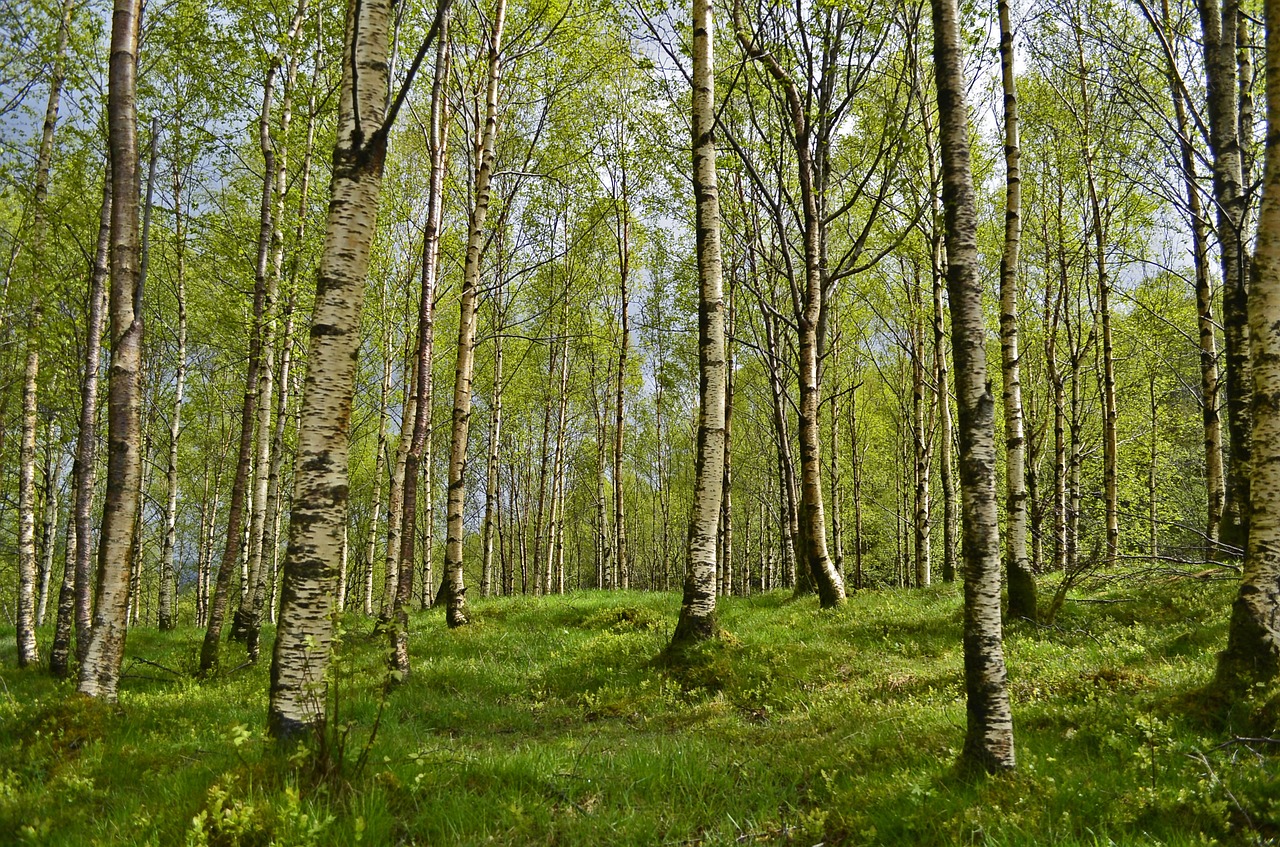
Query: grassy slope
(547, 721)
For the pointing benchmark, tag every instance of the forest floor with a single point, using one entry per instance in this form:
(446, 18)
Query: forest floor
(548, 721)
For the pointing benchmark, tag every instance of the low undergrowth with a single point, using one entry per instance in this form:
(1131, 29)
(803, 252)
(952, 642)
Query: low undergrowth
(552, 721)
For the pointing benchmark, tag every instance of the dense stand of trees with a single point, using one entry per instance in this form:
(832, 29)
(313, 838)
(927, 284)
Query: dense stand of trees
(232, 301)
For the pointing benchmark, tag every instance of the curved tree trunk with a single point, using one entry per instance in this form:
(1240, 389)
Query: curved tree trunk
(100, 666)
(697, 609)
(989, 737)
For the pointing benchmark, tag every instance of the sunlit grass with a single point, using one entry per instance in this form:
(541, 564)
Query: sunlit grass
(553, 720)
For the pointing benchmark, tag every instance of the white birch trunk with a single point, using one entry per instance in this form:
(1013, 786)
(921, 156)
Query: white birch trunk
(989, 737)
(697, 610)
(455, 588)
(1253, 641)
(100, 666)
(1022, 585)
(318, 517)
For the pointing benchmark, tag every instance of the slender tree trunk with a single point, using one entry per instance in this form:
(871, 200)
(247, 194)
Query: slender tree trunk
(541, 576)
(791, 547)
(1253, 638)
(455, 588)
(48, 529)
(275, 484)
(810, 309)
(318, 517)
(1017, 567)
(276, 488)
(247, 625)
(556, 553)
(698, 606)
(1054, 299)
(726, 494)
(168, 581)
(989, 738)
(622, 562)
(75, 598)
(922, 443)
(379, 467)
(491, 475)
(1075, 462)
(855, 452)
(945, 462)
(1219, 20)
(603, 538)
(837, 500)
(100, 665)
(28, 651)
(1210, 401)
(1153, 547)
(395, 499)
(417, 460)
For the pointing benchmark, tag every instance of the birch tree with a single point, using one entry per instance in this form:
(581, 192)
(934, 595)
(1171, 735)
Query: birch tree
(454, 586)
(1253, 639)
(100, 665)
(1022, 586)
(989, 735)
(698, 606)
(318, 519)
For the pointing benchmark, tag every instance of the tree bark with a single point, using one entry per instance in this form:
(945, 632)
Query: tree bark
(491, 475)
(48, 528)
(318, 517)
(1017, 567)
(455, 588)
(922, 442)
(100, 665)
(75, 608)
(168, 582)
(247, 624)
(698, 606)
(1210, 401)
(1219, 21)
(28, 651)
(417, 460)
(1253, 638)
(726, 494)
(379, 467)
(622, 214)
(989, 738)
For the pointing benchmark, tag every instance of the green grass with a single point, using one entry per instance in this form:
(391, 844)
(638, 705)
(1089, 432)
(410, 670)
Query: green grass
(548, 721)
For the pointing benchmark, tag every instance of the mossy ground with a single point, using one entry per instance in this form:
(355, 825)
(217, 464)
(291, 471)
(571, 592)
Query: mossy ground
(552, 721)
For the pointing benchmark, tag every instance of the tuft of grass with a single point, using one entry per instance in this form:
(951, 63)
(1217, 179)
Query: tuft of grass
(557, 720)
